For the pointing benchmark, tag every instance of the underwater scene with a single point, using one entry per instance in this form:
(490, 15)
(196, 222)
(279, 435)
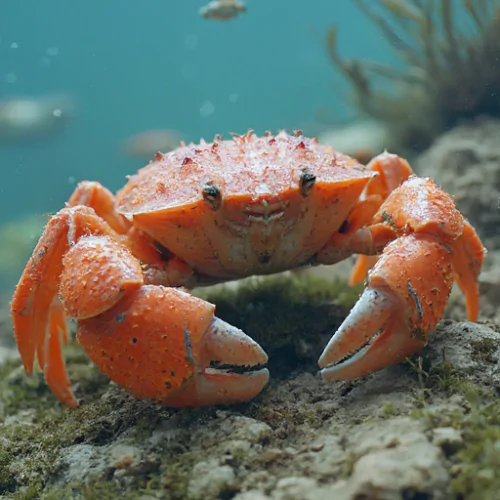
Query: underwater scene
(250, 250)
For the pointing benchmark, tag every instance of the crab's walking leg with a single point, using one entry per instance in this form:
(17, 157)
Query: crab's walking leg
(409, 286)
(393, 171)
(157, 342)
(101, 200)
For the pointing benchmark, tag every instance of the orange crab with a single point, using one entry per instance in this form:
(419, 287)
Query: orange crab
(220, 211)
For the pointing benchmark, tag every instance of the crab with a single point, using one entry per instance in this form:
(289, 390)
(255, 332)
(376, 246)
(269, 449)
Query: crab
(122, 265)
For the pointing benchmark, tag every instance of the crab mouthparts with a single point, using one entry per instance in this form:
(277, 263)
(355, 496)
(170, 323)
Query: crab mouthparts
(265, 212)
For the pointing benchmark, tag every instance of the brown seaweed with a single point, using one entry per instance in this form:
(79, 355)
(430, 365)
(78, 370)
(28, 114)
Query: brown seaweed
(450, 50)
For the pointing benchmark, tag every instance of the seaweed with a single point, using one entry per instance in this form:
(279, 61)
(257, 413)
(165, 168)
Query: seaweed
(450, 73)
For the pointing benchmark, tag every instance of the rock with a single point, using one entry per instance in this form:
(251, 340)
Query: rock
(247, 429)
(290, 488)
(470, 348)
(415, 467)
(398, 433)
(83, 463)
(251, 495)
(209, 480)
(466, 163)
(448, 439)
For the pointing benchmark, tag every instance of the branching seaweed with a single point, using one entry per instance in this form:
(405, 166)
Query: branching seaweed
(451, 55)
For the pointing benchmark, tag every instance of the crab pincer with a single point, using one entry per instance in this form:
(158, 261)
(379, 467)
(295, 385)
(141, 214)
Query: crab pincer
(213, 212)
(409, 286)
(157, 342)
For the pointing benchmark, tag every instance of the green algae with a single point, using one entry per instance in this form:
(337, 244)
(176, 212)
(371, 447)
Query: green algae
(287, 315)
(476, 463)
(475, 466)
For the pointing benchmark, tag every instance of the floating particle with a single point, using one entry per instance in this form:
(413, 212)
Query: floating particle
(207, 108)
(52, 51)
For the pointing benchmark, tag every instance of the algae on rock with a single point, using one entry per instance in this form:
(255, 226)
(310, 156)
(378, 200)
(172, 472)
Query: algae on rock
(301, 438)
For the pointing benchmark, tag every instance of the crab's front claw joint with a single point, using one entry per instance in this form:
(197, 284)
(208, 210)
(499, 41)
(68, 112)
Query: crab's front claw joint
(405, 298)
(164, 344)
(230, 369)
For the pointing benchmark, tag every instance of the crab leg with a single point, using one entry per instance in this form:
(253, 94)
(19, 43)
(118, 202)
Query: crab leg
(392, 172)
(173, 355)
(409, 286)
(405, 297)
(157, 342)
(95, 195)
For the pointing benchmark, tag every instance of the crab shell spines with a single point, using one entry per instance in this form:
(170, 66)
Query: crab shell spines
(264, 221)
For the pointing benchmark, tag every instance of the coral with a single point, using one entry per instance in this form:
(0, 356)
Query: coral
(450, 53)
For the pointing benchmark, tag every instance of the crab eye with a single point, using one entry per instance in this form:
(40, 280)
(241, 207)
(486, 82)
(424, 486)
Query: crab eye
(212, 196)
(307, 181)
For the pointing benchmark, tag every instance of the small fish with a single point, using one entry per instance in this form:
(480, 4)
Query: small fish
(30, 118)
(222, 10)
(146, 144)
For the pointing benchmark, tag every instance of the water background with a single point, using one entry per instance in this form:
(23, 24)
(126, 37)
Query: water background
(136, 65)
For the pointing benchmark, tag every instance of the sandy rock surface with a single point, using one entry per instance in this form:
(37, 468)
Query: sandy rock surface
(396, 434)
(466, 163)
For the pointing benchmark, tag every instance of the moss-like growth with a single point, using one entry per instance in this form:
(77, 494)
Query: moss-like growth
(476, 462)
(484, 350)
(286, 315)
(449, 50)
(279, 311)
(477, 465)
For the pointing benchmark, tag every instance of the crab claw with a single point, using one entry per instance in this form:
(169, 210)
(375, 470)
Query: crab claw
(406, 295)
(179, 356)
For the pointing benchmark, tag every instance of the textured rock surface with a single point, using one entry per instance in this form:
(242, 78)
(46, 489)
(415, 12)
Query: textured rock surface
(395, 434)
(466, 162)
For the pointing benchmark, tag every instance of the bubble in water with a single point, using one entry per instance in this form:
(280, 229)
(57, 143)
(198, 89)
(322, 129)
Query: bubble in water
(52, 51)
(234, 97)
(207, 109)
(57, 113)
(14, 45)
(11, 78)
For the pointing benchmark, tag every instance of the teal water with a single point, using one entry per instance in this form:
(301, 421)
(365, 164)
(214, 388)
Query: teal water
(133, 66)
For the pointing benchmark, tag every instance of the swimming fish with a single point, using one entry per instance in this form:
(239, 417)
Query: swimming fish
(146, 144)
(222, 10)
(30, 118)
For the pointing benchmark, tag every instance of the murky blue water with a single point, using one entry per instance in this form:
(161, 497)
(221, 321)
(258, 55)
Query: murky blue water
(133, 66)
